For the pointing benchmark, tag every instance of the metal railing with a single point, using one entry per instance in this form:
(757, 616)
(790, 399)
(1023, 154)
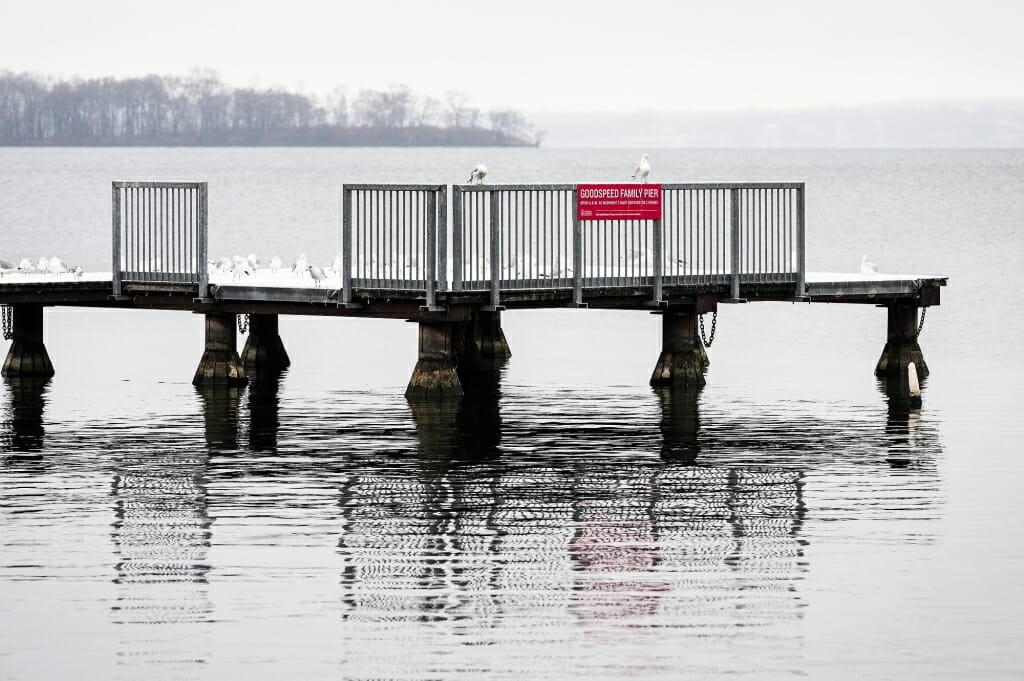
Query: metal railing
(529, 237)
(391, 240)
(159, 234)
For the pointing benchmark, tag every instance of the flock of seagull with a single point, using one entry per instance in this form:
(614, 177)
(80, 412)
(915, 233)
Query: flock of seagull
(45, 266)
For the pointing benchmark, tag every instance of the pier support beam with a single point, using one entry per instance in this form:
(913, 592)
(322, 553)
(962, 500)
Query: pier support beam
(901, 347)
(263, 348)
(27, 356)
(489, 337)
(683, 357)
(441, 346)
(220, 364)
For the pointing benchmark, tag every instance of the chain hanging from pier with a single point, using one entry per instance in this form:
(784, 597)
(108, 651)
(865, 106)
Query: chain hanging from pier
(920, 324)
(8, 321)
(243, 323)
(714, 322)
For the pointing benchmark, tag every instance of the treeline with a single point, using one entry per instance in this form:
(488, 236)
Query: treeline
(201, 110)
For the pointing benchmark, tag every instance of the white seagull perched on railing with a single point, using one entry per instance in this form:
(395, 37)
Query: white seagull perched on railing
(867, 266)
(55, 266)
(478, 174)
(642, 170)
(26, 266)
(318, 275)
(299, 267)
(275, 264)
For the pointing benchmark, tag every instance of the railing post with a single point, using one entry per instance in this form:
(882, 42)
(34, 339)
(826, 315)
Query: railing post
(431, 249)
(204, 271)
(115, 270)
(346, 245)
(801, 253)
(577, 251)
(442, 237)
(734, 229)
(495, 248)
(658, 261)
(456, 238)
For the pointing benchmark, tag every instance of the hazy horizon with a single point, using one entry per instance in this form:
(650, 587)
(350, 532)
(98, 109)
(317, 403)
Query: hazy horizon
(563, 57)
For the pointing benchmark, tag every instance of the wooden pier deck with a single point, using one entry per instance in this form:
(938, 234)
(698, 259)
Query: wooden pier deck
(501, 248)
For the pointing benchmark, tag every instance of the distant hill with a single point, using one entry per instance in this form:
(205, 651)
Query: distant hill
(959, 124)
(200, 110)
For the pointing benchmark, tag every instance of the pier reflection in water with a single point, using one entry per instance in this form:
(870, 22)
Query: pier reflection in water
(510, 532)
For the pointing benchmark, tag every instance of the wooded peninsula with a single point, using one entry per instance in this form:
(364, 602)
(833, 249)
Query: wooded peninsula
(201, 110)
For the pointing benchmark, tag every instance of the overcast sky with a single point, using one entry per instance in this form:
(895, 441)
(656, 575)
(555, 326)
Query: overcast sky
(548, 55)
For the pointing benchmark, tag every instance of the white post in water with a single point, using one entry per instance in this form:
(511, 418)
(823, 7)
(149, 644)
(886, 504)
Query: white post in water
(914, 384)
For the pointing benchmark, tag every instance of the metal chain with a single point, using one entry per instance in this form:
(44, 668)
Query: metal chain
(920, 324)
(714, 323)
(243, 323)
(8, 322)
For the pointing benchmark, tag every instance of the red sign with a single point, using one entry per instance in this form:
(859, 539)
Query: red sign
(618, 201)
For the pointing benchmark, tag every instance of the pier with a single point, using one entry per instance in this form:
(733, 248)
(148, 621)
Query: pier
(454, 260)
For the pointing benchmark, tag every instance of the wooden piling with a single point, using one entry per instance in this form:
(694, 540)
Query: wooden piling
(263, 347)
(27, 356)
(682, 359)
(489, 336)
(441, 344)
(901, 347)
(220, 364)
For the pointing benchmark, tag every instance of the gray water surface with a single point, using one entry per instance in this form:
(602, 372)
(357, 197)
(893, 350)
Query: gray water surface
(791, 519)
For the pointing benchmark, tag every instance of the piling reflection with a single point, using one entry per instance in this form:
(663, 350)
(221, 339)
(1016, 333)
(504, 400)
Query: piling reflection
(23, 426)
(679, 424)
(264, 405)
(465, 428)
(906, 439)
(220, 416)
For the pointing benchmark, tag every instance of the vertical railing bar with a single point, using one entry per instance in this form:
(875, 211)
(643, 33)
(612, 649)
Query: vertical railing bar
(115, 216)
(735, 244)
(430, 247)
(346, 244)
(657, 248)
(801, 271)
(577, 249)
(495, 240)
(442, 236)
(203, 217)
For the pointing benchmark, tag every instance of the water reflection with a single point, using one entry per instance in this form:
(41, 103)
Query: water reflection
(161, 537)
(466, 428)
(23, 428)
(264, 405)
(903, 422)
(221, 416)
(680, 424)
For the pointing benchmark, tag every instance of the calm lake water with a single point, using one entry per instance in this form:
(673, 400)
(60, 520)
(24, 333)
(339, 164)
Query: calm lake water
(789, 520)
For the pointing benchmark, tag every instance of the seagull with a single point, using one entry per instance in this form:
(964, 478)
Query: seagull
(226, 264)
(7, 266)
(26, 266)
(77, 271)
(867, 266)
(338, 264)
(254, 261)
(478, 174)
(299, 268)
(41, 265)
(275, 264)
(55, 266)
(318, 274)
(240, 269)
(642, 170)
